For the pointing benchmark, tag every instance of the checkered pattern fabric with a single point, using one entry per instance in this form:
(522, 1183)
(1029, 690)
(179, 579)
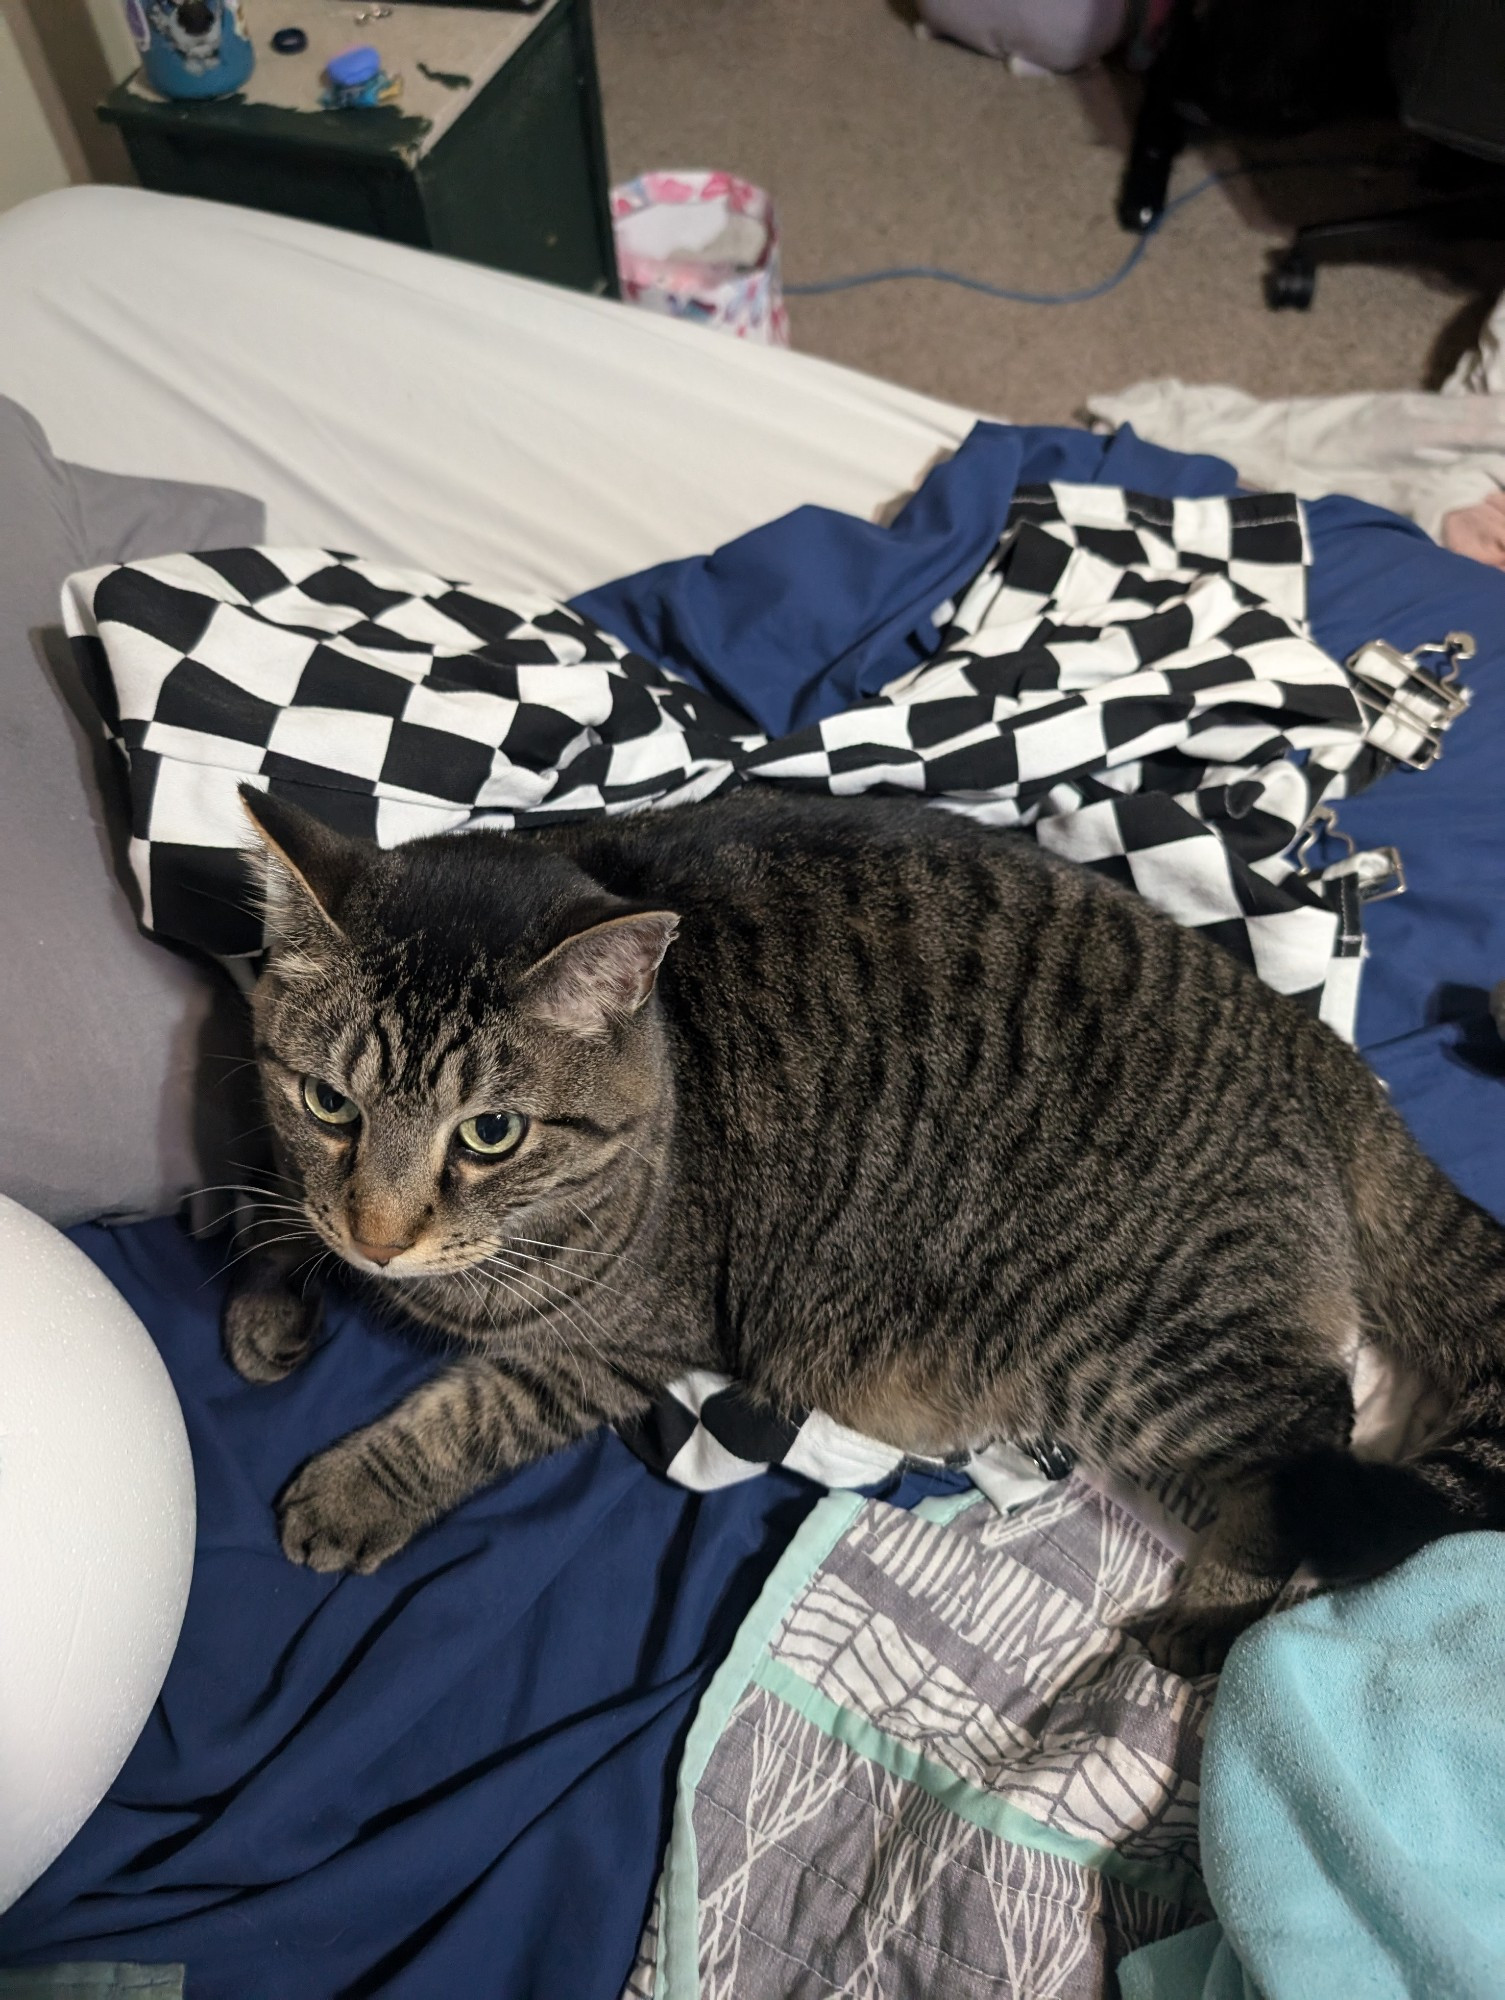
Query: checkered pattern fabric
(1128, 677)
(391, 702)
(704, 1431)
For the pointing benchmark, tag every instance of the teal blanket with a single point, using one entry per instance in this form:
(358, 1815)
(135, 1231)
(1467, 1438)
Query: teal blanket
(1353, 1804)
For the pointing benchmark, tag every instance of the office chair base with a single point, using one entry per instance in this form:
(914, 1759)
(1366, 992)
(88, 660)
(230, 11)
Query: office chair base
(1425, 234)
(1291, 285)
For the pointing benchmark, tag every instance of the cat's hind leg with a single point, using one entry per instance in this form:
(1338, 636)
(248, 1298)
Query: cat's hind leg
(1244, 1560)
(1232, 1578)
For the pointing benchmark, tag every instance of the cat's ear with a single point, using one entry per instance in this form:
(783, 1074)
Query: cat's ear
(312, 865)
(601, 974)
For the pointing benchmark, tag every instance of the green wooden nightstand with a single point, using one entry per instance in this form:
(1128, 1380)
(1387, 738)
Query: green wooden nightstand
(493, 152)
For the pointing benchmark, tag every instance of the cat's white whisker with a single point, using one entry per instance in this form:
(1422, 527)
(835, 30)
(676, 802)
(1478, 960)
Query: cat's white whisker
(266, 1173)
(504, 1245)
(558, 1303)
(235, 1187)
(551, 1305)
(576, 1276)
(267, 1218)
(317, 1263)
(291, 1236)
(574, 1249)
(565, 1348)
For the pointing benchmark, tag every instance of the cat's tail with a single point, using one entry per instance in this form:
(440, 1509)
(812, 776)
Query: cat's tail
(1348, 1518)
(1432, 1276)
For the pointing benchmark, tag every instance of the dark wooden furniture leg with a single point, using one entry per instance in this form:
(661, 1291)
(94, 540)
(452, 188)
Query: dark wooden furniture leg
(1160, 128)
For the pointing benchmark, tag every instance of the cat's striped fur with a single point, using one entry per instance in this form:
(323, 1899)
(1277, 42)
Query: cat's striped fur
(920, 1127)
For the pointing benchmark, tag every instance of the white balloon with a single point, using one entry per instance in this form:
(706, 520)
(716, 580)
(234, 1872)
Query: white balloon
(96, 1539)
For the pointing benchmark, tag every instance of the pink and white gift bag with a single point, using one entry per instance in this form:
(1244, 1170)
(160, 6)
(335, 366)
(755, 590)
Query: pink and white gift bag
(704, 247)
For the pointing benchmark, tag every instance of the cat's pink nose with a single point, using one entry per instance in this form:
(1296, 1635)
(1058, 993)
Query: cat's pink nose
(379, 1253)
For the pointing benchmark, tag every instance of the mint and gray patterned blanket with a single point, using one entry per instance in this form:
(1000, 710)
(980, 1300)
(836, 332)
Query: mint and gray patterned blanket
(938, 1761)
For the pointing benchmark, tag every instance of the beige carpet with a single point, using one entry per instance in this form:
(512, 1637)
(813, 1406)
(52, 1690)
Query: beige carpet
(883, 148)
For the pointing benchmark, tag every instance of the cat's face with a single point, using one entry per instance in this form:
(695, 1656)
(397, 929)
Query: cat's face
(454, 1040)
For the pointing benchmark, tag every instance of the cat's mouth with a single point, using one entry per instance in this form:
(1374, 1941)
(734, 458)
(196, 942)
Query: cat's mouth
(395, 1262)
(398, 1261)
(398, 1258)
(381, 1256)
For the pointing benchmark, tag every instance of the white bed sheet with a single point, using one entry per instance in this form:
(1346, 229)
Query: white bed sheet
(402, 405)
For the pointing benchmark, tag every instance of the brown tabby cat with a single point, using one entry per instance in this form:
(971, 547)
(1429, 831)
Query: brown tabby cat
(912, 1124)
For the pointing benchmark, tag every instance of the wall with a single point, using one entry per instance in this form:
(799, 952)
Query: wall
(107, 18)
(31, 160)
(57, 59)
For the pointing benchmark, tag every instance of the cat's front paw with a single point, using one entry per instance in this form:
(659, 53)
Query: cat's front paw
(268, 1333)
(1191, 1643)
(336, 1514)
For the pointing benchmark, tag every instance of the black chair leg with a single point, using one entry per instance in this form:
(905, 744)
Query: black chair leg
(1159, 129)
(1159, 135)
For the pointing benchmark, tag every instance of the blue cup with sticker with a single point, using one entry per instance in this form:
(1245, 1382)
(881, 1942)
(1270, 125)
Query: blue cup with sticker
(191, 48)
(354, 80)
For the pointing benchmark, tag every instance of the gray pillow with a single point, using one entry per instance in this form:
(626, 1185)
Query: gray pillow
(117, 1058)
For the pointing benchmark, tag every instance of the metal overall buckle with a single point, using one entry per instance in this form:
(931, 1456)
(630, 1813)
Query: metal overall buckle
(1406, 707)
(1378, 871)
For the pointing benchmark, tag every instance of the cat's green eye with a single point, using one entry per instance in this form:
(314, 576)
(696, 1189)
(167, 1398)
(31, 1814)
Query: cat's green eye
(493, 1133)
(327, 1104)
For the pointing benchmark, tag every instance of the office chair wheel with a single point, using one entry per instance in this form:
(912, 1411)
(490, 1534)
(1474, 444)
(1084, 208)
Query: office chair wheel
(1292, 283)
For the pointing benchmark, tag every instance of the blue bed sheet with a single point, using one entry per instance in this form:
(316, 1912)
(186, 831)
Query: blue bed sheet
(446, 1779)
(1436, 951)
(799, 619)
(451, 1778)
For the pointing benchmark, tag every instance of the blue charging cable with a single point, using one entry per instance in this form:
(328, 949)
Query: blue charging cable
(935, 273)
